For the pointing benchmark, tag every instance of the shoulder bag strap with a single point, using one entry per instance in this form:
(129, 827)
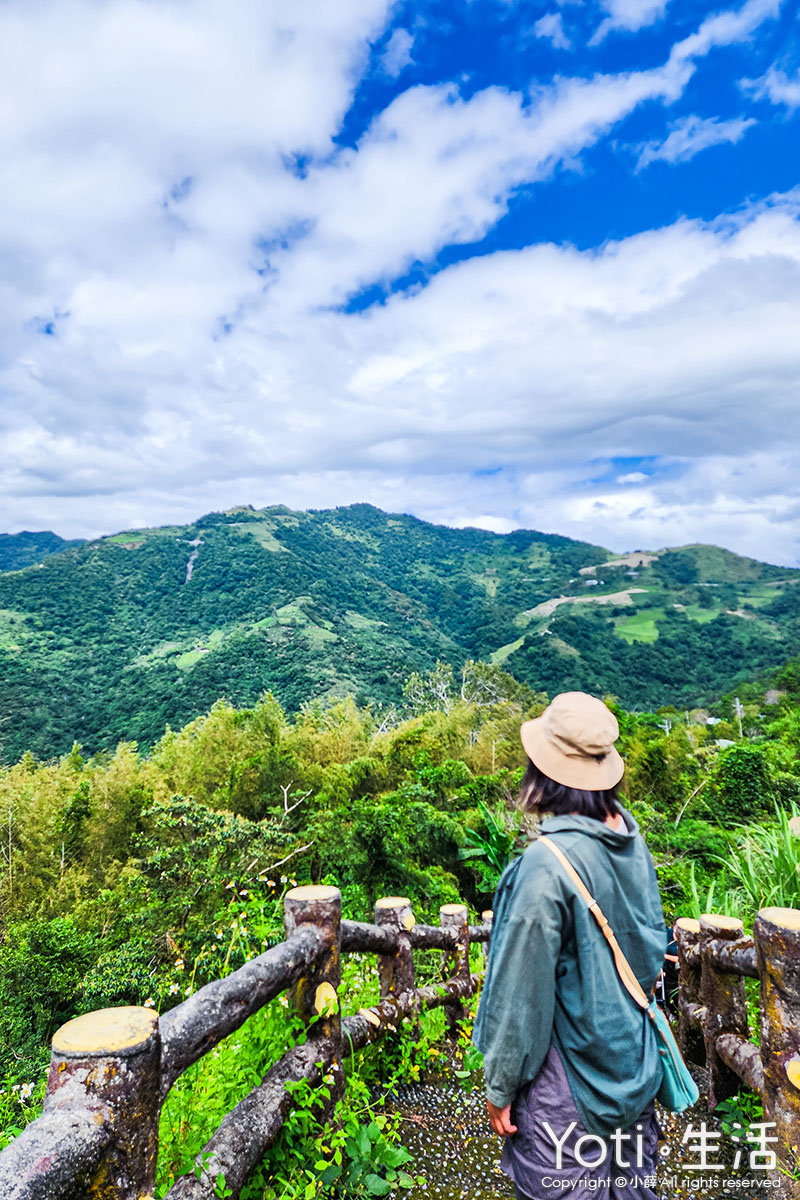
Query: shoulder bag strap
(624, 969)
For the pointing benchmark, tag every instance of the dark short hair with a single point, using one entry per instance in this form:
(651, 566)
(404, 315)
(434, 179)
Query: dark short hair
(538, 793)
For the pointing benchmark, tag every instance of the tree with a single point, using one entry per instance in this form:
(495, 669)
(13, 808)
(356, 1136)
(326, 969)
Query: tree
(742, 781)
(478, 684)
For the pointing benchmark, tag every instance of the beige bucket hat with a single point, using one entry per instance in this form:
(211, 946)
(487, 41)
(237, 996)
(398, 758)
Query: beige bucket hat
(573, 742)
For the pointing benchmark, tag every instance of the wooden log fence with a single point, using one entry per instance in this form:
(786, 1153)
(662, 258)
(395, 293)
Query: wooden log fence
(714, 958)
(110, 1072)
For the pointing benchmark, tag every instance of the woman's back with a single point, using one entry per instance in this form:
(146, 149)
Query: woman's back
(551, 974)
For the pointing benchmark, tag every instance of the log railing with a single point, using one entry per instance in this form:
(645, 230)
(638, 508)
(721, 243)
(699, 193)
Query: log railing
(714, 958)
(110, 1071)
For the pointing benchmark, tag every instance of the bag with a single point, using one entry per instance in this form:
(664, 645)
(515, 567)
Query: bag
(678, 1091)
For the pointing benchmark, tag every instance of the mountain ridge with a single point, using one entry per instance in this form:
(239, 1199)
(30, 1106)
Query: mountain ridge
(30, 547)
(113, 638)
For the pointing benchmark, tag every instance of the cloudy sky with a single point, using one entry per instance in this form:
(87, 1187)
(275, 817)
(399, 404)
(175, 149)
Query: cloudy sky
(492, 262)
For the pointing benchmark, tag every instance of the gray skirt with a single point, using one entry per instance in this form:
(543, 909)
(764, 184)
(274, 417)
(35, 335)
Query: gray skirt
(552, 1155)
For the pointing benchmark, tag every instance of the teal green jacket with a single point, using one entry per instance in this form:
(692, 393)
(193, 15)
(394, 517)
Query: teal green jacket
(551, 974)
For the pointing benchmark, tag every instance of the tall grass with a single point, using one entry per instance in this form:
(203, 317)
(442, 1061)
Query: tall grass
(714, 899)
(764, 871)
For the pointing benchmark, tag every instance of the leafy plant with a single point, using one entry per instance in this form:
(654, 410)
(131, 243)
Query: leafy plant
(766, 867)
(497, 846)
(201, 1171)
(737, 1114)
(471, 1063)
(367, 1164)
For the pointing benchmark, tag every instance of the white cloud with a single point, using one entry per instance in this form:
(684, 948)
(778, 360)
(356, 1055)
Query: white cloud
(397, 55)
(725, 28)
(632, 477)
(435, 169)
(485, 521)
(176, 206)
(690, 135)
(628, 16)
(777, 86)
(679, 343)
(551, 27)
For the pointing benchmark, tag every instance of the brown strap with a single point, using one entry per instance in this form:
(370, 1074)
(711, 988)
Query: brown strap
(624, 969)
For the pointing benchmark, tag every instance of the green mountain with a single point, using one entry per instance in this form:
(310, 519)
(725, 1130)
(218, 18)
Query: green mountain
(116, 638)
(18, 550)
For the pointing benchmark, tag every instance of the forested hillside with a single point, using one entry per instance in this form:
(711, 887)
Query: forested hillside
(117, 638)
(132, 878)
(18, 550)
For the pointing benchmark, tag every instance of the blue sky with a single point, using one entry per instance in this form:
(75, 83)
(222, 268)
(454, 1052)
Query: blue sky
(494, 263)
(488, 44)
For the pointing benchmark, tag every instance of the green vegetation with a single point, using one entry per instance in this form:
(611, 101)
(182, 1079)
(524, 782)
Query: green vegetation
(641, 627)
(118, 638)
(18, 550)
(132, 877)
(367, 737)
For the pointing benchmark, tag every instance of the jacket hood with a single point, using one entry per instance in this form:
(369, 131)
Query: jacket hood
(574, 823)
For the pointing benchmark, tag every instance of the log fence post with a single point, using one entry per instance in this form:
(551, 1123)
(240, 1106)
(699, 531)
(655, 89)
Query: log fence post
(455, 962)
(690, 1037)
(777, 937)
(317, 993)
(113, 1057)
(396, 971)
(723, 996)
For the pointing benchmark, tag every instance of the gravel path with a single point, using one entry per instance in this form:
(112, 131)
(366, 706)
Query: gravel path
(447, 1131)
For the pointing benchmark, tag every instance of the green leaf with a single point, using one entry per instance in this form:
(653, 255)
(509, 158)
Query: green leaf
(363, 1144)
(376, 1186)
(393, 1156)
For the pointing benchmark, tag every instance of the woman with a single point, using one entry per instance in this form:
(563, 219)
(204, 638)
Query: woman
(572, 1066)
